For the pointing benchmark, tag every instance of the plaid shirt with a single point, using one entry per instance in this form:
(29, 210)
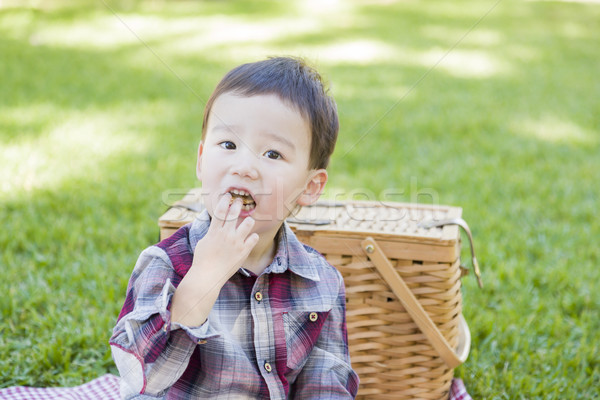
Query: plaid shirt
(278, 335)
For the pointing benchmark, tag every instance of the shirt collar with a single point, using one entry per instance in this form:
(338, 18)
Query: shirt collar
(291, 253)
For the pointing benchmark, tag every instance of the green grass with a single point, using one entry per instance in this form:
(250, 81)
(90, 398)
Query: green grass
(499, 115)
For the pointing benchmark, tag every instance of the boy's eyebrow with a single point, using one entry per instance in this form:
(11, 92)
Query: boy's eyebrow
(226, 128)
(281, 139)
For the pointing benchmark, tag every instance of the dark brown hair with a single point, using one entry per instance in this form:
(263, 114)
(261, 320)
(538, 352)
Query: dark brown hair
(298, 85)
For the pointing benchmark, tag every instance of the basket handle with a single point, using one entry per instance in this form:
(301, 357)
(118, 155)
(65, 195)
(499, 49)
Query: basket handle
(463, 224)
(412, 305)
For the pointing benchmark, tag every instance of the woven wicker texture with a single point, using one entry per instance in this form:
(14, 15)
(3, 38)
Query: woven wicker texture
(392, 357)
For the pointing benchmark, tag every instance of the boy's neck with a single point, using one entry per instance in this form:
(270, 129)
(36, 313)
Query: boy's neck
(262, 255)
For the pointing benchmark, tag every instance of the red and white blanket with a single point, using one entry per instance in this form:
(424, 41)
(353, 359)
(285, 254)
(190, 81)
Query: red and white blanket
(107, 388)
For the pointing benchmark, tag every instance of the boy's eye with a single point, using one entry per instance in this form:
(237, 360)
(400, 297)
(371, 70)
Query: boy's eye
(273, 155)
(227, 145)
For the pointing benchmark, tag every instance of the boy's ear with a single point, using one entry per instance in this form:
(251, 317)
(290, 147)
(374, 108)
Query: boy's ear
(313, 188)
(199, 162)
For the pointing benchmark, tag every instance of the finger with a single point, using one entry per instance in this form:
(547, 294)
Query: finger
(246, 227)
(220, 211)
(251, 241)
(233, 213)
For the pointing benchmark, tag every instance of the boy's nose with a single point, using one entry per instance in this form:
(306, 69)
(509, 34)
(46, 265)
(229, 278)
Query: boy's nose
(246, 165)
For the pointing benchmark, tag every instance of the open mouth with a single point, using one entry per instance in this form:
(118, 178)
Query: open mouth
(247, 200)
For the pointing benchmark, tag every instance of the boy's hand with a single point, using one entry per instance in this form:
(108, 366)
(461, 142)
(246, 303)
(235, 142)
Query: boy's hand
(225, 246)
(217, 256)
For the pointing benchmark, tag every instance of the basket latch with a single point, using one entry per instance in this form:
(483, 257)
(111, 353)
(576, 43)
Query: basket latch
(463, 224)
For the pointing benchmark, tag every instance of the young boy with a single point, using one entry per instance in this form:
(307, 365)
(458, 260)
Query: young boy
(233, 305)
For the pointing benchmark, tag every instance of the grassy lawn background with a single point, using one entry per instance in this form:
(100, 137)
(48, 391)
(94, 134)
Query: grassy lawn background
(491, 106)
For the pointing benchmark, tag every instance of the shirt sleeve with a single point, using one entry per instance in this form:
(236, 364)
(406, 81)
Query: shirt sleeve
(328, 373)
(150, 353)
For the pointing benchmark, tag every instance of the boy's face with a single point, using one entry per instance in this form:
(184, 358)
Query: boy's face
(258, 148)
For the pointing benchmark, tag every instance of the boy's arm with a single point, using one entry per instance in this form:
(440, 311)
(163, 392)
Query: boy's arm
(149, 350)
(327, 373)
(150, 357)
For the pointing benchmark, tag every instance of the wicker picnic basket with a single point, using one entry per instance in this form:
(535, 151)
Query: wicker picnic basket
(401, 267)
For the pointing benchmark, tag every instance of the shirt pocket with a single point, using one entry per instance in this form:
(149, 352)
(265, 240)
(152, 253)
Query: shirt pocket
(302, 330)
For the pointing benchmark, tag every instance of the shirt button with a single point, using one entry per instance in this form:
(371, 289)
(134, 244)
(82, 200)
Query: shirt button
(313, 316)
(268, 367)
(258, 296)
(202, 341)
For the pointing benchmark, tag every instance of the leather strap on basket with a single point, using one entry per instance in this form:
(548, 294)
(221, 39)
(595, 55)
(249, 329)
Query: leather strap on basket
(463, 224)
(410, 303)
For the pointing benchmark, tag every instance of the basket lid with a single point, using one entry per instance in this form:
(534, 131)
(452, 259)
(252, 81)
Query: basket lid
(380, 219)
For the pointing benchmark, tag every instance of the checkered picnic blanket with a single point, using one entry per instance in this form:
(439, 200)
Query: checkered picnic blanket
(458, 391)
(107, 388)
(104, 388)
